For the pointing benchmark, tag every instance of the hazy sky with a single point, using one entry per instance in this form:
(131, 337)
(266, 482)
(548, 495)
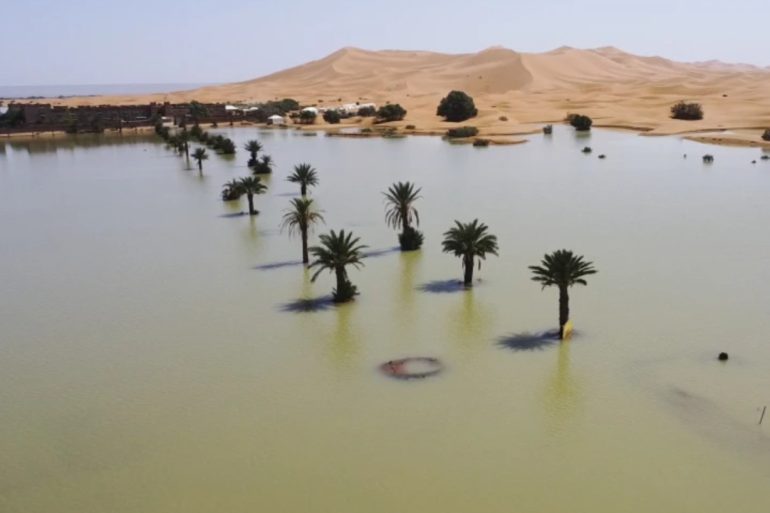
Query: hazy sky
(139, 41)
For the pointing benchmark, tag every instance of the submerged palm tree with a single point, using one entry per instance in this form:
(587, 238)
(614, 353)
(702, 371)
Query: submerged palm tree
(300, 218)
(263, 166)
(232, 190)
(250, 186)
(253, 147)
(563, 269)
(336, 252)
(305, 176)
(400, 213)
(184, 141)
(200, 155)
(468, 241)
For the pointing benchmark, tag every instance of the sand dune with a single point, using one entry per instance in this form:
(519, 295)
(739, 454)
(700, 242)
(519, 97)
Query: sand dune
(614, 87)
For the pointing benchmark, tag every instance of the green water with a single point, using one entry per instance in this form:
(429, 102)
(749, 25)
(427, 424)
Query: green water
(150, 360)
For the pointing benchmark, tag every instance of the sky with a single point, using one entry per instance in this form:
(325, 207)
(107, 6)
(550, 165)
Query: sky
(47, 42)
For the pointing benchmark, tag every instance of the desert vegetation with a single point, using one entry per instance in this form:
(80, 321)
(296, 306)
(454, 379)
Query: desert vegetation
(332, 117)
(461, 132)
(456, 106)
(390, 112)
(580, 122)
(687, 111)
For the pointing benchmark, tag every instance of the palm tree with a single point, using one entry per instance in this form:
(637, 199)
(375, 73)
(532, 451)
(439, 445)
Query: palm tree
(184, 138)
(263, 166)
(200, 155)
(305, 176)
(197, 111)
(468, 241)
(400, 213)
(300, 218)
(338, 250)
(250, 186)
(563, 269)
(232, 190)
(253, 147)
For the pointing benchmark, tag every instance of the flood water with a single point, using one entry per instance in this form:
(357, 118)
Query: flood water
(155, 356)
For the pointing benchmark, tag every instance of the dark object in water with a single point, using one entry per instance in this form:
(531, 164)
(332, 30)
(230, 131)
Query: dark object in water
(602, 156)
(548, 129)
(753, 161)
(708, 158)
(416, 367)
(723, 357)
(765, 157)
(587, 149)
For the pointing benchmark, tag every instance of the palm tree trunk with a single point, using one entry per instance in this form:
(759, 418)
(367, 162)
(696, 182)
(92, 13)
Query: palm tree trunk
(342, 278)
(563, 310)
(200, 166)
(303, 190)
(252, 212)
(468, 266)
(305, 256)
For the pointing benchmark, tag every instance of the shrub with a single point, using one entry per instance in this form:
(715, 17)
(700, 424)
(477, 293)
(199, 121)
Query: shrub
(195, 132)
(464, 131)
(687, 111)
(367, 112)
(456, 106)
(481, 143)
(548, 129)
(587, 149)
(410, 127)
(708, 158)
(766, 135)
(503, 118)
(332, 117)
(410, 239)
(391, 112)
(580, 122)
(307, 117)
(225, 146)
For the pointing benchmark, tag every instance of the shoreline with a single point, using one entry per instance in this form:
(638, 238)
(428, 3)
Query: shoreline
(745, 137)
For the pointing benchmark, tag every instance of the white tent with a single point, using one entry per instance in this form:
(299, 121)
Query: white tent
(275, 119)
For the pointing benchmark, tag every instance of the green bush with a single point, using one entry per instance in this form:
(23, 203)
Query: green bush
(410, 239)
(391, 112)
(580, 122)
(332, 117)
(687, 111)
(464, 131)
(367, 112)
(456, 106)
(410, 127)
(307, 117)
(481, 143)
(548, 129)
(766, 135)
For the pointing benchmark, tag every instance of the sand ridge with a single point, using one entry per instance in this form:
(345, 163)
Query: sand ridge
(615, 88)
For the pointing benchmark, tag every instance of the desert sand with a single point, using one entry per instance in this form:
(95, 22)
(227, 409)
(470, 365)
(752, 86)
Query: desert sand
(617, 89)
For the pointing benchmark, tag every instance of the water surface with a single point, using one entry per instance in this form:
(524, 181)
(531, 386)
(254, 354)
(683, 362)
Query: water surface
(153, 359)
